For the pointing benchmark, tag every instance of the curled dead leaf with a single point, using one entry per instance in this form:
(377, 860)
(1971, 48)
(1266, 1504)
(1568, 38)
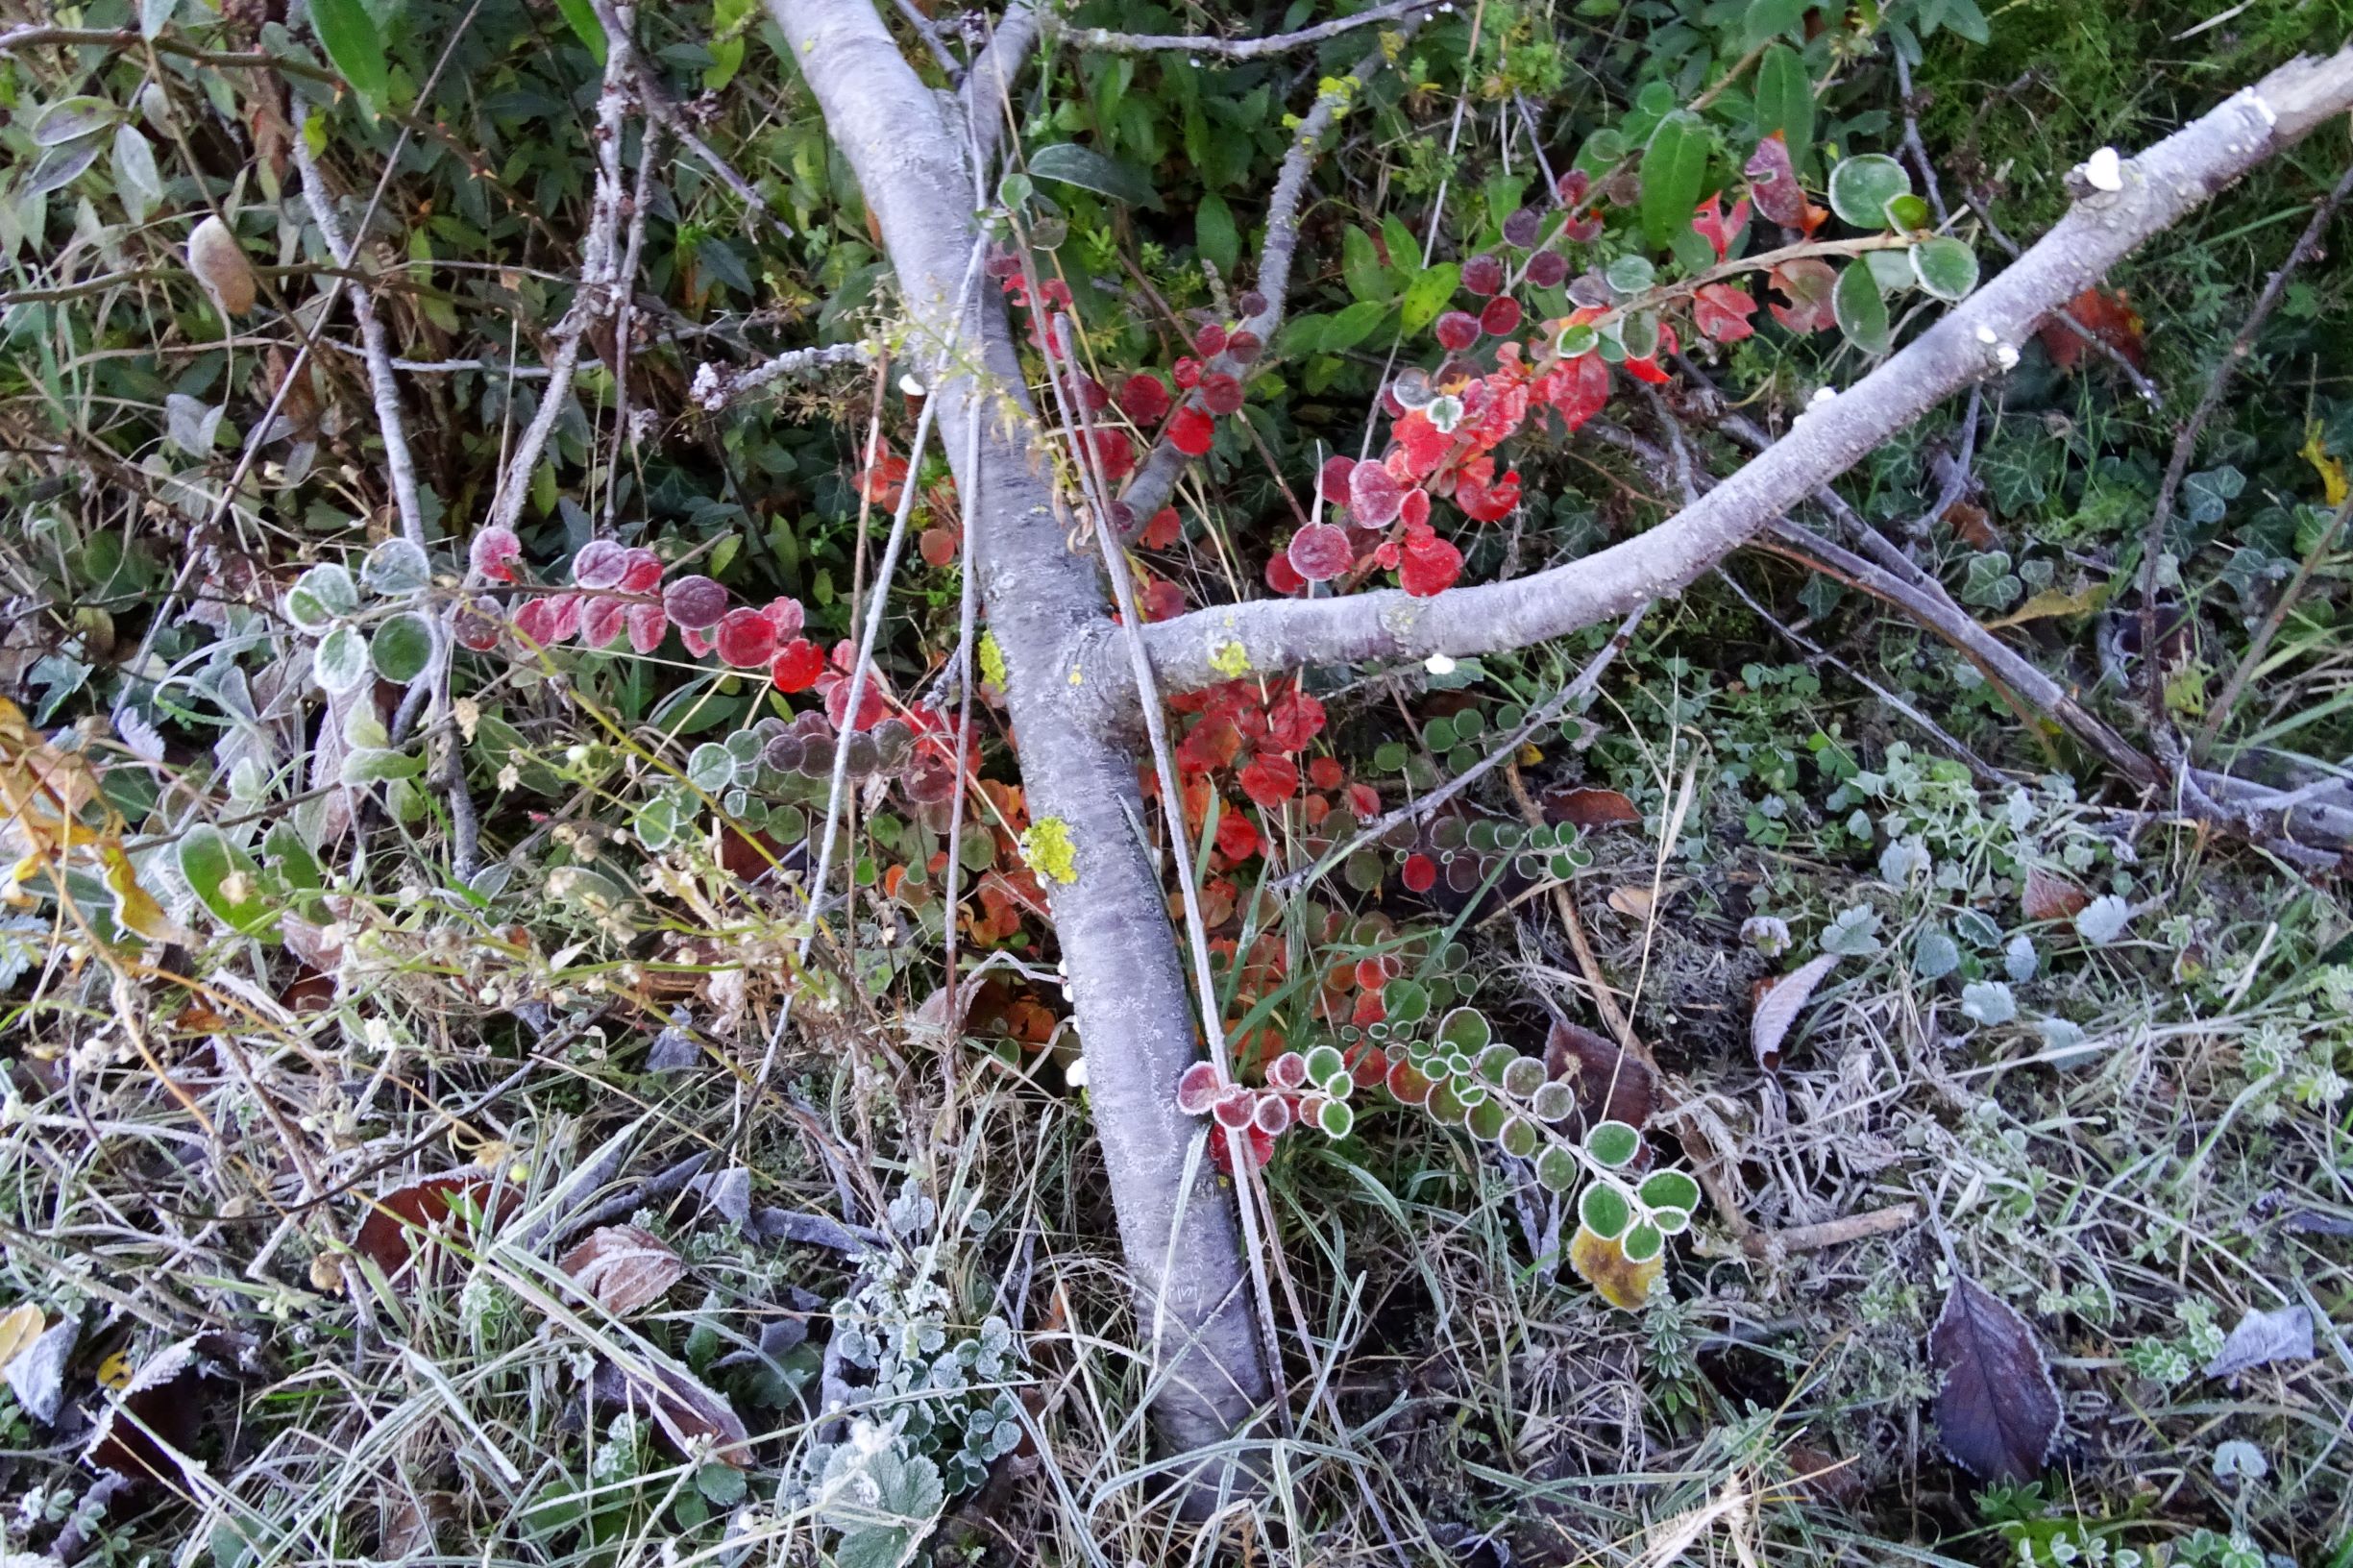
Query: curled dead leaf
(219, 263)
(1611, 1083)
(1602, 1263)
(688, 1411)
(1633, 902)
(18, 1330)
(36, 1374)
(624, 1267)
(1778, 1008)
(2047, 895)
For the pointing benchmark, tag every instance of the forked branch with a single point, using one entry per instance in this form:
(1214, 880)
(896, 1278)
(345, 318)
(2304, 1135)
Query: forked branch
(1976, 339)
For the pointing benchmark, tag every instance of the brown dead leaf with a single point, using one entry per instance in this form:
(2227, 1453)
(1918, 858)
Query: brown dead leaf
(153, 1423)
(1997, 1408)
(2047, 895)
(2052, 603)
(1600, 1262)
(686, 1408)
(625, 1268)
(1969, 525)
(1611, 1085)
(1635, 903)
(401, 1224)
(1777, 1009)
(1588, 808)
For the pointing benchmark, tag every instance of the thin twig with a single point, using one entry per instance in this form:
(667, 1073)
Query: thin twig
(1103, 41)
(2161, 511)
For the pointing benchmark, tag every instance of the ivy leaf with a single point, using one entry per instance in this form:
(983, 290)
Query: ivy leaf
(1861, 312)
(1674, 166)
(1089, 170)
(348, 32)
(1997, 1408)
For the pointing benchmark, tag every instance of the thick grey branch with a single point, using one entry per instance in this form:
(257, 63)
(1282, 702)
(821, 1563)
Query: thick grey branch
(1976, 339)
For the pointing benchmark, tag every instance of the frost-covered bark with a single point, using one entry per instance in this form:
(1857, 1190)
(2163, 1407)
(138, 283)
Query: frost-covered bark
(1977, 338)
(907, 145)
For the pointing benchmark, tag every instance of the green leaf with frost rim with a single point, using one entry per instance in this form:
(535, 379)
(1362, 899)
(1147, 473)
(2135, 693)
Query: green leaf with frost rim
(1862, 185)
(1945, 267)
(1861, 311)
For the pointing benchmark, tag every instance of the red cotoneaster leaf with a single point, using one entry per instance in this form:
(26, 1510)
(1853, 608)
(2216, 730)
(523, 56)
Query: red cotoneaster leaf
(694, 602)
(1488, 503)
(1374, 496)
(1270, 780)
(494, 553)
(1283, 577)
(1319, 552)
(1332, 481)
(1192, 431)
(880, 482)
(1238, 837)
(604, 620)
(646, 623)
(1772, 180)
(745, 638)
(1196, 1090)
(598, 564)
(1720, 228)
(1294, 720)
(1998, 1410)
(1722, 312)
(1430, 567)
(1144, 398)
(1221, 392)
(797, 666)
(1421, 875)
(1582, 390)
(640, 570)
(1807, 285)
(1164, 530)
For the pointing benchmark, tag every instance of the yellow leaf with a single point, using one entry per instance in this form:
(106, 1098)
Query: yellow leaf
(19, 1329)
(134, 910)
(115, 1372)
(2052, 603)
(1600, 1262)
(2330, 469)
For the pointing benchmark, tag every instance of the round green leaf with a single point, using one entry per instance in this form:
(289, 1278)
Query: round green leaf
(320, 597)
(1639, 332)
(656, 822)
(1486, 1119)
(1522, 1077)
(340, 662)
(1495, 1061)
(1862, 186)
(710, 767)
(1947, 268)
(1335, 1120)
(1574, 341)
(1464, 1029)
(1519, 1138)
(1613, 1144)
(396, 567)
(1643, 1243)
(1669, 1189)
(1631, 274)
(1557, 1169)
(1604, 1210)
(225, 880)
(1405, 1001)
(1555, 1101)
(402, 647)
(1325, 1062)
(1671, 1221)
(1862, 314)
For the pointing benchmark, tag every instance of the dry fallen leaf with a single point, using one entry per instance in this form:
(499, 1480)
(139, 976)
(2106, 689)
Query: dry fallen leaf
(151, 1425)
(2284, 1334)
(624, 1267)
(1600, 1262)
(401, 1223)
(19, 1329)
(1997, 1408)
(1777, 1009)
(219, 263)
(1611, 1085)
(686, 1408)
(37, 1376)
(1635, 903)
(1588, 808)
(2047, 895)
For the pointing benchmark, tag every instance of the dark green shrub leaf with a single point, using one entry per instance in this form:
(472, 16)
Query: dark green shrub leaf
(581, 17)
(1613, 1144)
(225, 880)
(1768, 18)
(1674, 166)
(1785, 102)
(1862, 313)
(1604, 1210)
(1089, 170)
(1669, 1189)
(348, 32)
(1215, 234)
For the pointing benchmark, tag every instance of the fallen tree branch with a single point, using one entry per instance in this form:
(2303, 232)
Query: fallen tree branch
(1104, 40)
(1977, 338)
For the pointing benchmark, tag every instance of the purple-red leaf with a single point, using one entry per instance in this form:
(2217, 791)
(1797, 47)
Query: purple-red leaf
(1996, 1410)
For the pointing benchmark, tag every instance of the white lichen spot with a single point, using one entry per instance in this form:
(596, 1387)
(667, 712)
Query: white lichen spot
(1985, 335)
(2104, 170)
(2005, 355)
(1438, 664)
(1824, 395)
(2263, 107)
(911, 386)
